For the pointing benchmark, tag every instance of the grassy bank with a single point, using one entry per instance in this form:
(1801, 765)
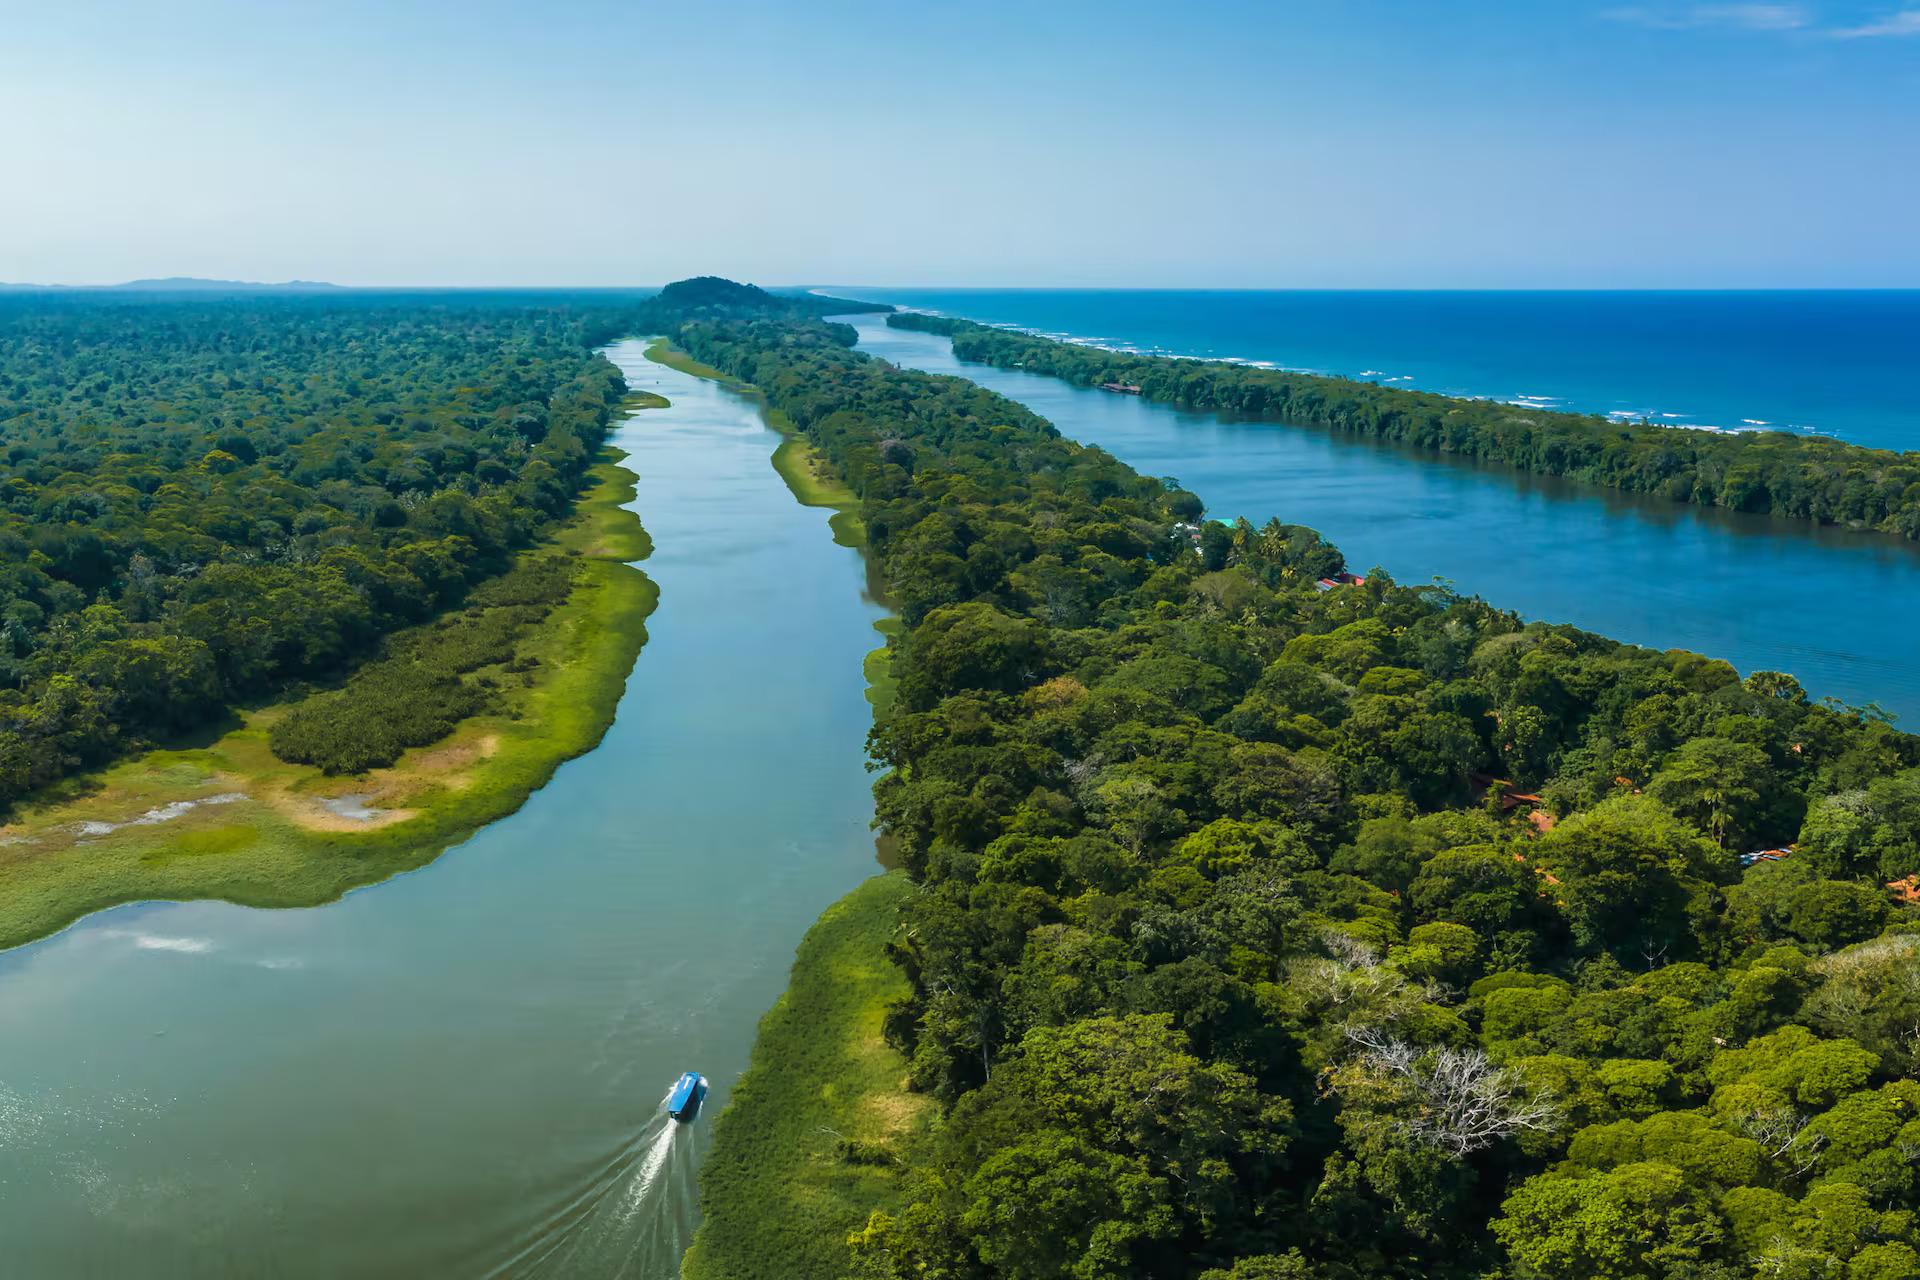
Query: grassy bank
(814, 482)
(817, 1132)
(224, 818)
(811, 1142)
(660, 351)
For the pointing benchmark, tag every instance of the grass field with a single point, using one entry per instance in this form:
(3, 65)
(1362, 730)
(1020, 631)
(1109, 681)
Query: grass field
(812, 1140)
(660, 351)
(222, 817)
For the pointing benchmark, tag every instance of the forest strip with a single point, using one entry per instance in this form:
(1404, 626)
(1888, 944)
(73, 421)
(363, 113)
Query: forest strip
(229, 819)
(1764, 472)
(1271, 921)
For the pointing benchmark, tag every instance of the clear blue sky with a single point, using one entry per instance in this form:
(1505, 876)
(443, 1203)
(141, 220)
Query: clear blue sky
(1213, 143)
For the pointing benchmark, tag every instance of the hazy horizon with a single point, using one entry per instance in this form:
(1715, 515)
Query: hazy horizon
(211, 284)
(1318, 144)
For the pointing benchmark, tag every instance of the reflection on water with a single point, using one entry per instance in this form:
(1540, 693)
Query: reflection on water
(1839, 609)
(459, 1072)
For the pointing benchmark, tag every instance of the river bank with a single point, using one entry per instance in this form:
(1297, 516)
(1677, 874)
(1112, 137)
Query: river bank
(224, 818)
(1834, 607)
(191, 1089)
(819, 1132)
(813, 483)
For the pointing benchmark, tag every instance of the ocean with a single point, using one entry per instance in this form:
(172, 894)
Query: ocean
(1838, 608)
(1835, 363)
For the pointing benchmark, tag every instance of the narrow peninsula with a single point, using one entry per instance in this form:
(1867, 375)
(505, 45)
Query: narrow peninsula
(1259, 918)
(1778, 473)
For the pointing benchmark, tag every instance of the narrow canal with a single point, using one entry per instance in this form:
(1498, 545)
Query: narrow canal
(1838, 609)
(460, 1072)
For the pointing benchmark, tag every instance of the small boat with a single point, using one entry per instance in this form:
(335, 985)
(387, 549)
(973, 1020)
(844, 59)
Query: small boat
(683, 1104)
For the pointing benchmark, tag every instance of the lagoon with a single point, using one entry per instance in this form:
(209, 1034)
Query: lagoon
(1838, 609)
(460, 1072)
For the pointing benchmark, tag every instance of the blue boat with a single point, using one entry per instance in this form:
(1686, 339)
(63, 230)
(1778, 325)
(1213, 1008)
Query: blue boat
(683, 1104)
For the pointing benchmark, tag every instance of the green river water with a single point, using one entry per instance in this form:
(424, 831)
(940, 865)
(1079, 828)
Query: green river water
(460, 1072)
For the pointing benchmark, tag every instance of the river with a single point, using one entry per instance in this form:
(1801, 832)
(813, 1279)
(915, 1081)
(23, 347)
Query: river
(460, 1072)
(1838, 609)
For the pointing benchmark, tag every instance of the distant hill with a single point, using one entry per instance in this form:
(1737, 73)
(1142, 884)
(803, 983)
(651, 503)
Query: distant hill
(703, 292)
(714, 291)
(183, 284)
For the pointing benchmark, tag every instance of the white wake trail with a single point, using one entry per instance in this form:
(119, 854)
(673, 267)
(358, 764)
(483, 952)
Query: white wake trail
(652, 1163)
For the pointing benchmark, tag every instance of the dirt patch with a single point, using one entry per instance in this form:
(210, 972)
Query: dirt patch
(455, 755)
(326, 813)
(309, 812)
(443, 767)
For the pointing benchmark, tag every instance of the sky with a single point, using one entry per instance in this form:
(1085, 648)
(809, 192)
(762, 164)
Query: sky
(1208, 144)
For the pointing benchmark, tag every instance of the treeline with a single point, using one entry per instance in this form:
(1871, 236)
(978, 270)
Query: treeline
(1803, 477)
(418, 691)
(1265, 931)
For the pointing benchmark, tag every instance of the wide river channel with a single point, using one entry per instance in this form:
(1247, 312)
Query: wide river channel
(459, 1073)
(1838, 609)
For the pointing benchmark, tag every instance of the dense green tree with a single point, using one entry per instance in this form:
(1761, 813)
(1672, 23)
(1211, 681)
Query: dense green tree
(1629, 1223)
(1633, 876)
(1711, 782)
(1187, 822)
(1874, 831)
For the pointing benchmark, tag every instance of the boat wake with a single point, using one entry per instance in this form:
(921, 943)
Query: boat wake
(652, 1164)
(635, 1217)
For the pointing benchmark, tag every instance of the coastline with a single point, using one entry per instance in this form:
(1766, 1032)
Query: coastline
(223, 818)
(1700, 358)
(1815, 479)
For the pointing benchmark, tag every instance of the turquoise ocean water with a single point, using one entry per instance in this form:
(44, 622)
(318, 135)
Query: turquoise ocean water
(1837, 608)
(1838, 363)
